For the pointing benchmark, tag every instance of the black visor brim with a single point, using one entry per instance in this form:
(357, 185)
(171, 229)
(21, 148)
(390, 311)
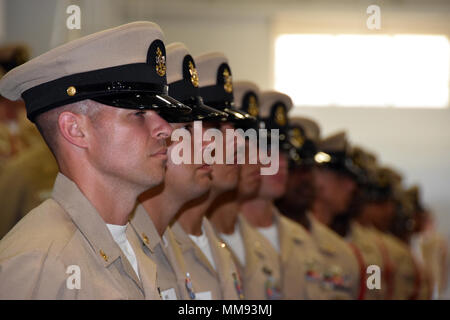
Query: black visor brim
(202, 112)
(167, 107)
(241, 119)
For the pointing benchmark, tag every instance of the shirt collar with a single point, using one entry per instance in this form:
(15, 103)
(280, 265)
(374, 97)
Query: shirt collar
(86, 218)
(145, 228)
(182, 237)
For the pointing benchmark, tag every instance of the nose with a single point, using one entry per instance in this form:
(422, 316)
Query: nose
(159, 128)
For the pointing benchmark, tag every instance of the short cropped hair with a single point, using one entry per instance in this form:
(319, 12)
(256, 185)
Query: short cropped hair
(47, 122)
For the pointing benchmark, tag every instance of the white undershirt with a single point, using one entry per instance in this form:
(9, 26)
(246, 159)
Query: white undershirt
(203, 243)
(271, 234)
(119, 235)
(236, 243)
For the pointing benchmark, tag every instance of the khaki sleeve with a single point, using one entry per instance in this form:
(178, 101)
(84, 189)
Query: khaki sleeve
(34, 275)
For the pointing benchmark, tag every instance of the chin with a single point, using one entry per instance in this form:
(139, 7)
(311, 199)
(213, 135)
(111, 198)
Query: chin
(225, 184)
(273, 193)
(150, 181)
(198, 191)
(203, 182)
(249, 190)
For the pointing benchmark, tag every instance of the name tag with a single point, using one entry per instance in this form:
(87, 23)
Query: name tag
(205, 295)
(169, 294)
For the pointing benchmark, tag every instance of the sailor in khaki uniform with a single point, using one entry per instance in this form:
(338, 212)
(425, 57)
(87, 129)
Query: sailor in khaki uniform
(213, 272)
(406, 281)
(380, 214)
(302, 265)
(209, 261)
(183, 182)
(365, 241)
(361, 233)
(359, 237)
(93, 100)
(429, 247)
(341, 275)
(298, 255)
(69, 237)
(164, 252)
(335, 186)
(418, 218)
(258, 261)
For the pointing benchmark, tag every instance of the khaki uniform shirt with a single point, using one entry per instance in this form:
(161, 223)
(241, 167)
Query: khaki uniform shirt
(387, 274)
(342, 271)
(204, 278)
(301, 263)
(170, 272)
(227, 270)
(261, 275)
(40, 256)
(366, 242)
(25, 182)
(406, 273)
(434, 252)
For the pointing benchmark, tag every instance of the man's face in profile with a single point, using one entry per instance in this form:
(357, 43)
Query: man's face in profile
(129, 145)
(188, 180)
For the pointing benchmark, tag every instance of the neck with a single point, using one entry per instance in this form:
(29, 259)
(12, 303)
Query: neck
(161, 205)
(322, 213)
(113, 198)
(190, 216)
(364, 215)
(258, 212)
(296, 212)
(223, 212)
(363, 220)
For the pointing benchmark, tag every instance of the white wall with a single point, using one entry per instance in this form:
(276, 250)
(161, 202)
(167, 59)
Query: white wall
(416, 141)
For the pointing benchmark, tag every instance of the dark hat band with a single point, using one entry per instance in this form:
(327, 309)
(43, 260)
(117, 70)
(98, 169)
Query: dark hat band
(183, 90)
(340, 162)
(216, 95)
(137, 77)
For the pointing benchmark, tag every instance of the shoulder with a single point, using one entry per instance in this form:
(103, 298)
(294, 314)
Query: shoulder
(296, 232)
(292, 226)
(43, 228)
(330, 240)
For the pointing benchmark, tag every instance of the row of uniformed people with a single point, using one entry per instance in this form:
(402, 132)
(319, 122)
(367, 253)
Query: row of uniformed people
(367, 205)
(197, 231)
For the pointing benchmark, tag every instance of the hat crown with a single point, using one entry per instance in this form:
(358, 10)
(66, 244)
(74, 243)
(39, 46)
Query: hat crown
(181, 65)
(309, 126)
(131, 57)
(216, 82)
(246, 97)
(275, 106)
(213, 69)
(336, 143)
(125, 44)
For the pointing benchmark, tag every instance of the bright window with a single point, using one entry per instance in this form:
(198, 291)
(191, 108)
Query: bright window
(363, 70)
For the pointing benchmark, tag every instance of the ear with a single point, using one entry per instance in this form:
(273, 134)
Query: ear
(73, 128)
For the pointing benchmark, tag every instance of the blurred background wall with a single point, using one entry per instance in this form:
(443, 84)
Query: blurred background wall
(416, 141)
